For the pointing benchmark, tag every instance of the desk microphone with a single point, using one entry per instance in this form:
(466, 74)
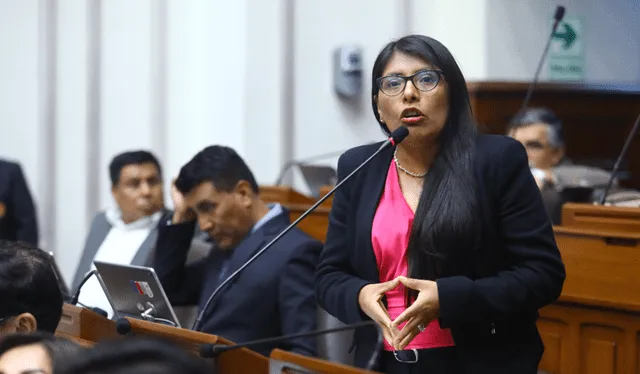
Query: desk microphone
(557, 18)
(394, 139)
(616, 166)
(76, 295)
(214, 350)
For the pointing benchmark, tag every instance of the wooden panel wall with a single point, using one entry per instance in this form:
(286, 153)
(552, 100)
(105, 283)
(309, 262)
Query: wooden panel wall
(581, 340)
(597, 118)
(595, 327)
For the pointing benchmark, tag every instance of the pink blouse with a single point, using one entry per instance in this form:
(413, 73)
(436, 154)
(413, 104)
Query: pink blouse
(390, 236)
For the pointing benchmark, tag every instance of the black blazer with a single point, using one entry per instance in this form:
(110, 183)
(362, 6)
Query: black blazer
(272, 297)
(515, 269)
(18, 219)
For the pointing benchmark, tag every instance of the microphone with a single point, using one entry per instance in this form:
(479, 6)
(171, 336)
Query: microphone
(123, 327)
(557, 18)
(214, 350)
(394, 139)
(616, 166)
(288, 165)
(74, 300)
(76, 295)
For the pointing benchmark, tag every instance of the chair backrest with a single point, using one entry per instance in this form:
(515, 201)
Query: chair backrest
(583, 176)
(335, 346)
(200, 248)
(186, 314)
(628, 198)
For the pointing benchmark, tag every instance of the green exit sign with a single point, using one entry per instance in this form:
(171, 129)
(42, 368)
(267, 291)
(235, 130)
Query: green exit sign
(567, 51)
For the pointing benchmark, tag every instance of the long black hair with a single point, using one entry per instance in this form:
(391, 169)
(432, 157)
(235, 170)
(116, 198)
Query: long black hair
(446, 222)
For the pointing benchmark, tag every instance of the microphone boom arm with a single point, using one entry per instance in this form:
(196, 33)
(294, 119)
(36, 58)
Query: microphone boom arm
(76, 295)
(212, 350)
(198, 322)
(616, 166)
(557, 18)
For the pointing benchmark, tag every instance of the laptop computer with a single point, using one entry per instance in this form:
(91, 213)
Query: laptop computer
(135, 291)
(318, 176)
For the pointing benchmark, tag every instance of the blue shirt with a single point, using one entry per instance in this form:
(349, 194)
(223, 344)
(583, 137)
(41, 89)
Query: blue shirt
(274, 211)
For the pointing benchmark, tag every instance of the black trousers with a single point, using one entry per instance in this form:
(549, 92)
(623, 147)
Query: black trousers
(429, 361)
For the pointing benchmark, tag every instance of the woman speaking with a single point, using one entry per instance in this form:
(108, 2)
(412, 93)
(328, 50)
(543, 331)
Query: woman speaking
(444, 240)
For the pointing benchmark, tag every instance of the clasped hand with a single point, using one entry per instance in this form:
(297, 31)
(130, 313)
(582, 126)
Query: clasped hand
(424, 309)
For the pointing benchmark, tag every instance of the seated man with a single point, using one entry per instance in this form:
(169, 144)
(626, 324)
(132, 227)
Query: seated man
(540, 131)
(274, 295)
(18, 219)
(125, 234)
(30, 296)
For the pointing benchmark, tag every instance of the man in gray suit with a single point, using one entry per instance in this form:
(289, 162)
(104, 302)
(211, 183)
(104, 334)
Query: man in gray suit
(125, 234)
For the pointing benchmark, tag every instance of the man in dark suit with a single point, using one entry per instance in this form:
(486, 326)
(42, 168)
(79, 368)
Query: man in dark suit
(18, 220)
(274, 295)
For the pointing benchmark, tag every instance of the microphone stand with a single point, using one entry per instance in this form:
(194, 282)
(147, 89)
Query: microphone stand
(616, 166)
(213, 350)
(395, 138)
(76, 295)
(558, 17)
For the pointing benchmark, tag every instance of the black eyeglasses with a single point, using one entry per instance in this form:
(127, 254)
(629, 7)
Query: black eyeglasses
(423, 80)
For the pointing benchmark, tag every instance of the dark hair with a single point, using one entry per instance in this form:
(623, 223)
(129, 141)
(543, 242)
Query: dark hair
(28, 284)
(61, 351)
(131, 158)
(540, 115)
(217, 164)
(137, 356)
(446, 220)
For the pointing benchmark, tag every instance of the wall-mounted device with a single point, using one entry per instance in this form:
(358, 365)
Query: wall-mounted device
(347, 71)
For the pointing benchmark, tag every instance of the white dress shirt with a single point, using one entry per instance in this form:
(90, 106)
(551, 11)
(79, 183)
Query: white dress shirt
(119, 247)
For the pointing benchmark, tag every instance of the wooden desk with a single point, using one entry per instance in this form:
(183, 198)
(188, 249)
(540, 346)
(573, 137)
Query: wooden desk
(240, 360)
(85, 325)
(595, 325)
(601, 218)
(288, 362)
(86, 328)
(315, 225)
